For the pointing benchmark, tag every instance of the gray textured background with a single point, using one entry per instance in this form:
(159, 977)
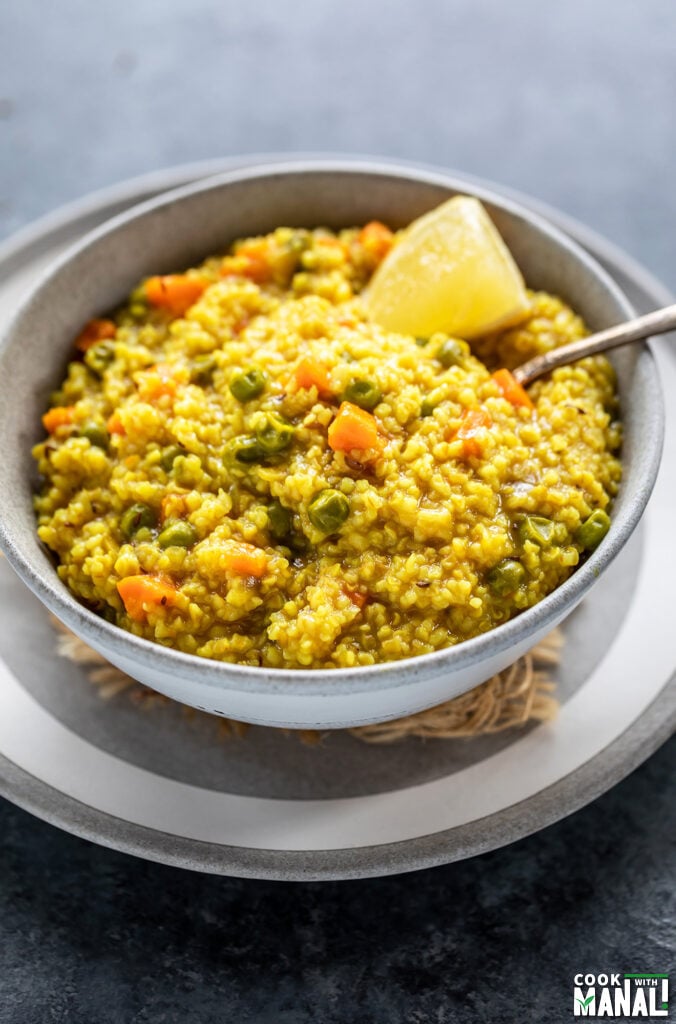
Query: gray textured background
(572, 103)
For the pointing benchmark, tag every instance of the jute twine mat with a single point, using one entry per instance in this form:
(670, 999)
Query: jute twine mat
(522, 693)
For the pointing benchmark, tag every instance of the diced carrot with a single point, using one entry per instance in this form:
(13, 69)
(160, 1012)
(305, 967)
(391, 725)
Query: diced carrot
(141, 594)
(255, 267)
(258, 247)
(353, 428)
(356, 598)
(231, 267)
(244, 559)
(172, 506)
(376, 239)
(241, 324)
(334, 250)
(156, 382)
(115, 425)
(93, 332)
(474, 423)
(311, 373)
(330, 241)
(512, 390)
(174, 292)
(58, 416)
(252, 260)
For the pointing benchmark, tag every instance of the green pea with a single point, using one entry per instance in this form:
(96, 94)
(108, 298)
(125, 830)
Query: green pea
(275, 434)
(297, 243)
(177, 534)
(328, 510)
(279, 520)
(96, 434)
(592, 531)
(421, 342)
(169, 456)
(137, 517)
(431, 401)
(452, 352)
(202, 370)
(506, 577)
(139, 296)
(537, 529)
(248, 385)
(298, 543)
(245, 449)
(363, 393)
(99, 357)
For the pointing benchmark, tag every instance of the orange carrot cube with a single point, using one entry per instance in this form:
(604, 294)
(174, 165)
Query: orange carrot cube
(115, 425)
(58, 416)
(353, 429)
(141, 594)
(472, 432)
(512, 390)
(155, 383)
(356, 598)
(93, 332)
(311, 373)
(377, 239)
(174, 292)
(244, 559)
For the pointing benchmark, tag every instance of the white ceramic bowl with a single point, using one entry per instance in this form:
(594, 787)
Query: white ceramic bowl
(179, 229)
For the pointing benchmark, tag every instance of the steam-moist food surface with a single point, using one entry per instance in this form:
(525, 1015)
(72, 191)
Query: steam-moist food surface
(240, 465)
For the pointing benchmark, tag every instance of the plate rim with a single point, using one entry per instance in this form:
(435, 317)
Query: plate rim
(553, 803)
(568, 794)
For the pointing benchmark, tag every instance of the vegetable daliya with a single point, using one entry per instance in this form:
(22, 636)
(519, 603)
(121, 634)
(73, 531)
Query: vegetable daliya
(270, 482)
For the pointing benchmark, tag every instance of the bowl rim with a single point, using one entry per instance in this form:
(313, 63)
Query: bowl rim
(179, 665)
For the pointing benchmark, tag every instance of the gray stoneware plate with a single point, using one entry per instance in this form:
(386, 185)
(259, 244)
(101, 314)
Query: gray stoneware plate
(161, 786)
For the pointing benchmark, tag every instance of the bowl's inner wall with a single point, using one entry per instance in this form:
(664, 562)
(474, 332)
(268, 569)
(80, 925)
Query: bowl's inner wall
(179, 234)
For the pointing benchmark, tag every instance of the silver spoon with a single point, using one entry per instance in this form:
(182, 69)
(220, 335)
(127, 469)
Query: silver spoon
(658, 322)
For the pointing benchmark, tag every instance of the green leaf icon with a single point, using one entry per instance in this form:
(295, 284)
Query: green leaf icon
(585, 1002)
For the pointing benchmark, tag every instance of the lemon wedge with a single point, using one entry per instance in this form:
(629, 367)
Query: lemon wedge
(450, 271)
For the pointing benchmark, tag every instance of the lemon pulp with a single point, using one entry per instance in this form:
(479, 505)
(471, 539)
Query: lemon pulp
(450, 271)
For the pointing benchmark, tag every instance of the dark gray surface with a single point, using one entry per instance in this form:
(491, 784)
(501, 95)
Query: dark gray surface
(92, 936)
(572, 103)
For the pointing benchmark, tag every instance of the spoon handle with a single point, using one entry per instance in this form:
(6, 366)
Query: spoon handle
(658, 322)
